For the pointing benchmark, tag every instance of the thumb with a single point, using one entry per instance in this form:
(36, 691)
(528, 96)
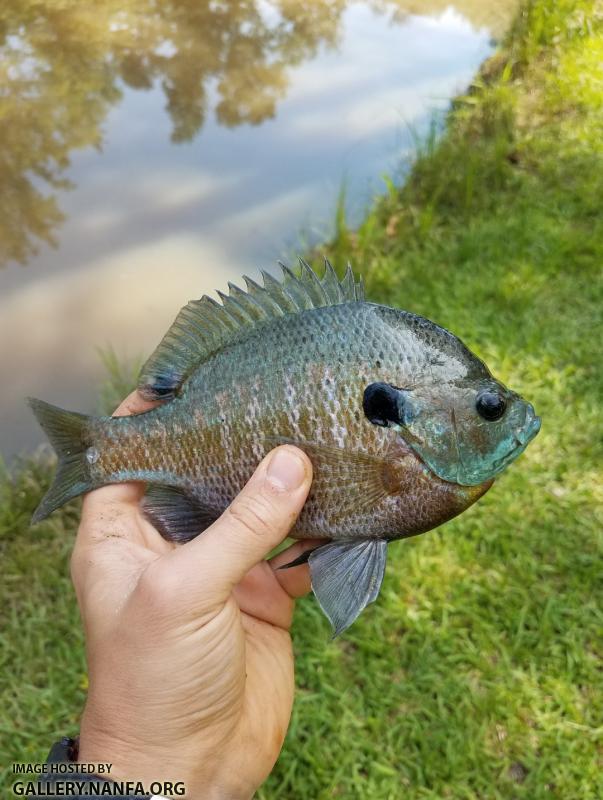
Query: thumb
(257, 520)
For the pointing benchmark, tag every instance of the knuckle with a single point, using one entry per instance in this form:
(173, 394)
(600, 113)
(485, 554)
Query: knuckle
(79, 563)
(157, 587)
(75, 563)
(252, 513)
(75, 570)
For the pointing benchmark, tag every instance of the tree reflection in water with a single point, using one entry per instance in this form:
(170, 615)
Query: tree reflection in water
(63, 65)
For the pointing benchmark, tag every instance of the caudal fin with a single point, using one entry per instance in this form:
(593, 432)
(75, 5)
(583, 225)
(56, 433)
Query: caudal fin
(65, 431)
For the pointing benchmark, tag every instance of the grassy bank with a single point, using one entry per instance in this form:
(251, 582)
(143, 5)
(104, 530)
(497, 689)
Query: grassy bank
(477, 674)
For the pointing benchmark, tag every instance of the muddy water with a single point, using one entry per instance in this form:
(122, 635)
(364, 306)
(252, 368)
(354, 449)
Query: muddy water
(151, 152)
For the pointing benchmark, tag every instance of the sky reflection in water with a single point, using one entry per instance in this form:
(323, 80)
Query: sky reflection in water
(175, 204)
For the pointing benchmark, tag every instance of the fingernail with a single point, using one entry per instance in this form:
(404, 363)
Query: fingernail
(286, 470)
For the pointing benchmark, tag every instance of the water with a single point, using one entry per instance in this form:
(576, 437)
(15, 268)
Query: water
(166, 152)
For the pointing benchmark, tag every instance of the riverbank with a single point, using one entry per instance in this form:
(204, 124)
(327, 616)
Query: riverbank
(477, 672)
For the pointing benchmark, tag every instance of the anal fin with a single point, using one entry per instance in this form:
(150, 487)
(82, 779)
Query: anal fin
(177, 516)
(346, 576)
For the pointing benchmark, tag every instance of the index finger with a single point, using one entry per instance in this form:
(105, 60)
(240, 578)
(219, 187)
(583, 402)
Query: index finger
(118, 496)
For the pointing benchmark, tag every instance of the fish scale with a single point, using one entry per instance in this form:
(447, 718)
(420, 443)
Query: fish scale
(396, 414)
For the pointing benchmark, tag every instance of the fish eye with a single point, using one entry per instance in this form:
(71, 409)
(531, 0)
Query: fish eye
(490, 405)
(383, 404)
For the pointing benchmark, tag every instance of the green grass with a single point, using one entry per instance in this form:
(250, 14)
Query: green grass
(477, 674)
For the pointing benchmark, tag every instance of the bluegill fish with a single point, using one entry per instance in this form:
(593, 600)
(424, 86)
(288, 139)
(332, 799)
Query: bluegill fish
(405, 426)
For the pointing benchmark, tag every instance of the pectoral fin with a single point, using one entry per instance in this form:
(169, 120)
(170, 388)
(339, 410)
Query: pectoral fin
(346, 576)
(344, 468)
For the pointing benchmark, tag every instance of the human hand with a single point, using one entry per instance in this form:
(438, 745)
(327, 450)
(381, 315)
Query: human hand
(189, 655)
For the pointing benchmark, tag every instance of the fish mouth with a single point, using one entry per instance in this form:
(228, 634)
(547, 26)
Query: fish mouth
(530, 429)
(522, 437)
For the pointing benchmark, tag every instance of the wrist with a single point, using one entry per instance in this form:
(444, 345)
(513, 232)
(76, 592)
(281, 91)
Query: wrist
(149, 764)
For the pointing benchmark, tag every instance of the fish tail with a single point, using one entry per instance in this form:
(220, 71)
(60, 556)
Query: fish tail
(65, 430)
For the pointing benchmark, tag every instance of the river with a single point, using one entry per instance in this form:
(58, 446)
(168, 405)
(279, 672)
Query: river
(150, 152)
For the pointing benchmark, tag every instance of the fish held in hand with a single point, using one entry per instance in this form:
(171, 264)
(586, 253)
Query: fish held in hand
(404, 425)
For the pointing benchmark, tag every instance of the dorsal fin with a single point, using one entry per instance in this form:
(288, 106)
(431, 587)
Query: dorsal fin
(205, 326)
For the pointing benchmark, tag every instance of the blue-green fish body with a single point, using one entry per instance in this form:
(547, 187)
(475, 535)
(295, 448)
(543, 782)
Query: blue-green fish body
(404, 425)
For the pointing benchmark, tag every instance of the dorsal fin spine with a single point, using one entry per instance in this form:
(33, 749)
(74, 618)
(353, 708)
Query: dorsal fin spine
(254, 309)
(360, 290)
(348, 282)
(236, 310)
(281, 295)
(332, 284)
(295, 288)
(312, 284)
(263, 298)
